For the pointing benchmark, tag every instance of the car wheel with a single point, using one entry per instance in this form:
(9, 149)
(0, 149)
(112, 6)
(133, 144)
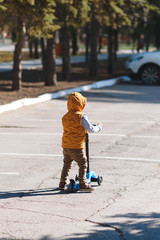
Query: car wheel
(150, 74)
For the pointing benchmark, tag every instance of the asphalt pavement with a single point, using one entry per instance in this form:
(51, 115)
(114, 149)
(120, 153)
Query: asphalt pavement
(126, 153)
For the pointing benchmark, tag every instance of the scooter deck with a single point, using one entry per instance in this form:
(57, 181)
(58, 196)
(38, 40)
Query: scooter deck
(90, 176)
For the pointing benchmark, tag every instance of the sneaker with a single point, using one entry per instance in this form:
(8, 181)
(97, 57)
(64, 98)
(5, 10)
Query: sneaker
(62, 186)
(85, 187)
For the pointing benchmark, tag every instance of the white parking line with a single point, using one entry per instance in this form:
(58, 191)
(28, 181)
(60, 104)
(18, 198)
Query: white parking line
(123, 121)
(118, 121)
(32, 154)
(30, 133)
(92, 134)
(145, 136)
(127, 159)
(91, 120)
(93, 157)
(8, 173)
(60, 134)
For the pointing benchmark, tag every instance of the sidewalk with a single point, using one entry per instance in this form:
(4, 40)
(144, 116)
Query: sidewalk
(33, 64)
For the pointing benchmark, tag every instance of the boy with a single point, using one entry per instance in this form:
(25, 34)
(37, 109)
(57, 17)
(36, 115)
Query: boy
(75, 124)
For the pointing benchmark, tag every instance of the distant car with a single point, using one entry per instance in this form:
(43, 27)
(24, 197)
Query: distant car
(145, 67)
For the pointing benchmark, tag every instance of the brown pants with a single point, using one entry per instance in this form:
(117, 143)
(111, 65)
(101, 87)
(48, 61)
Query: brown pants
(79, 156)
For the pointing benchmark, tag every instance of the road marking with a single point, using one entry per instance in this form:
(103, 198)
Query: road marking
(118, 121)
(30, 133)
(60, 134)
(109, 134)
(91, 120)
(92, 134)
(127, 159)
(93, 157)
(8, 173)
(32, 154)
(145, 136)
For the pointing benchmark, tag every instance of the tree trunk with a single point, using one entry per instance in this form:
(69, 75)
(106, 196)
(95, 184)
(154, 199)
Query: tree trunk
(50, 69)
(74, 41)
(147, 39)
(17, 69)
(93, 44)
(115, 43)
(156, 32)
(43, 53)
(110, 50)
(100, 38)
(87, 40)
(43, 58)
(36, 53)
(149, 32)
(65, 53)
(30, 45)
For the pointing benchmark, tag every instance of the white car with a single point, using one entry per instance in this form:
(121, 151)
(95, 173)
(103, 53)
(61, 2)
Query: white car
(145, 67)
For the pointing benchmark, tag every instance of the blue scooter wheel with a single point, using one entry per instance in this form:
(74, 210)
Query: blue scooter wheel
(71, 186)
(99, 180)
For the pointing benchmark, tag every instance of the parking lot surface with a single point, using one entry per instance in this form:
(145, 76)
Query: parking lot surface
(126, 153)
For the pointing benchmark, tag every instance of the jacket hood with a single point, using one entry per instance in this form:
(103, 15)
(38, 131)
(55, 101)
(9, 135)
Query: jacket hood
(76, 102)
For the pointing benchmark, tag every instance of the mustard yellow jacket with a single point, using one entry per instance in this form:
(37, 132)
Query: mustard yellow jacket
(74, 134)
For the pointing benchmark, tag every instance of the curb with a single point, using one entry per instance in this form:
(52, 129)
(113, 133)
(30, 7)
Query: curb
(49, 96)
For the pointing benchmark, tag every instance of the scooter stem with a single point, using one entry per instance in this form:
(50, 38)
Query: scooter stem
(87, 151)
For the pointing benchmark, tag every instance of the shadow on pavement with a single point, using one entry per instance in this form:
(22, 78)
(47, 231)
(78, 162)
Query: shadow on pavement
(30, 193)
(125, 93)
(139, 226)
(132, 92)
(36, 192)
(131, 226)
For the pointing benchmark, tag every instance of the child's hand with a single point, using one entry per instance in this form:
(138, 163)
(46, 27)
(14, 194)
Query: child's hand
(100, 124)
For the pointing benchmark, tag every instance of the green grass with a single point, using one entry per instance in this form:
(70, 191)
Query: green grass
(8, 56)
